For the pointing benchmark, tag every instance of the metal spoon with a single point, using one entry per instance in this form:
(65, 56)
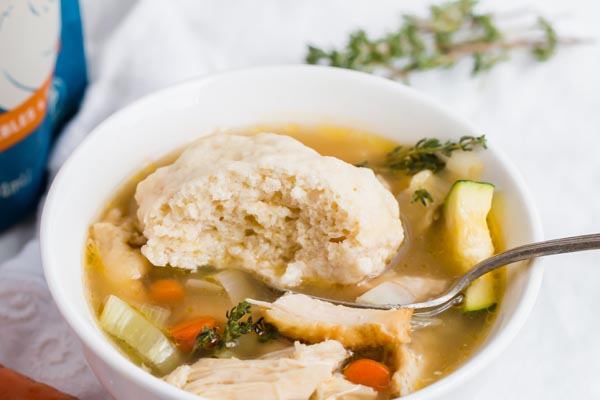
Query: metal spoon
(453, 296)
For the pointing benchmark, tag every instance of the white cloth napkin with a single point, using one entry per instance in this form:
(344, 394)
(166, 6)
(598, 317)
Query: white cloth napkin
(544, 116)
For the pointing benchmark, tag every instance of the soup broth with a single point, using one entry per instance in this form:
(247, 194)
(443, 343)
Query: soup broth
(448, 340)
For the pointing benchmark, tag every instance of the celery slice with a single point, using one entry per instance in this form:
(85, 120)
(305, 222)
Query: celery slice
(155, 314)
(124, 322)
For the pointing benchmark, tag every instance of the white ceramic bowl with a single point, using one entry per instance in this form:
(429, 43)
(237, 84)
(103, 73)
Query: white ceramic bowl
(168, 119)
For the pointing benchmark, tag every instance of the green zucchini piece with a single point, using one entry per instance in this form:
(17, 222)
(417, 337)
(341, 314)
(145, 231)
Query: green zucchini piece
(129, 325)
(465, 215)
(481, 294)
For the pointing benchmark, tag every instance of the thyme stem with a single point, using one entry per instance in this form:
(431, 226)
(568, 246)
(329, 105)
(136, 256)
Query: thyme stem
(452, 31)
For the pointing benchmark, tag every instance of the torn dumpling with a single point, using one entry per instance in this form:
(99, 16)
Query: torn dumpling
(287, 376)
(272, 206)
(301, 317)
(408, 367)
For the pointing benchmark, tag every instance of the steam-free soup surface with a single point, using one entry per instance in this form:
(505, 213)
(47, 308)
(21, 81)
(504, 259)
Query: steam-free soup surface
(444, 344)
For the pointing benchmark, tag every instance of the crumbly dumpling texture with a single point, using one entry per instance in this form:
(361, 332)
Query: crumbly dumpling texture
(272, 206)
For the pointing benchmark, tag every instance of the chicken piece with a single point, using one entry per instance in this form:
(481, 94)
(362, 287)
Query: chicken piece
(422, 218)
(301, 317)
(121, 264)
(179, 376)
(408, 367)
(272, 206)
(306, 353)
(120, 260)
(294, 376)
(16, 386)
(338, 388)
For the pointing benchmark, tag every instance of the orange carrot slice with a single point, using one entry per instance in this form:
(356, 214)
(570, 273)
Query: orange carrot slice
(185, 333)
(368, 373)
(167, 290)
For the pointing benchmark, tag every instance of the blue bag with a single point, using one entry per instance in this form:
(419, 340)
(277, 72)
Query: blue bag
(42, 81)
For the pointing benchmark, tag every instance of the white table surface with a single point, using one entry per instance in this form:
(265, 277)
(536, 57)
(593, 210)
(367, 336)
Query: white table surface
(545, 116)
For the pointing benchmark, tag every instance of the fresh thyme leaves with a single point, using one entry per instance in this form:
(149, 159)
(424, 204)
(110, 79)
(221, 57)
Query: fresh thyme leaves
(452, 31)
(547, 48)
(264, 330)
(235, 327)
(422, 196)
(427, 154)
(207, 339)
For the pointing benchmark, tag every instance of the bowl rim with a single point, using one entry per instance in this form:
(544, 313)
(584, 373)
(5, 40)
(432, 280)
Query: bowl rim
(86, 332)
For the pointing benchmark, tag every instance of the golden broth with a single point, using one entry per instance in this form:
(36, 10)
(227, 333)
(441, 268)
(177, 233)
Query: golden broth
(443, 347)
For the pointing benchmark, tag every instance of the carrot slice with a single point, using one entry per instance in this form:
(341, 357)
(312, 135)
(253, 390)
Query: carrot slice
(167, 290)
(185, 333)
(368, 373)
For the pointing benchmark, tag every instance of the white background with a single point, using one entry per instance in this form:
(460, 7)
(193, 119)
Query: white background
(545, 116)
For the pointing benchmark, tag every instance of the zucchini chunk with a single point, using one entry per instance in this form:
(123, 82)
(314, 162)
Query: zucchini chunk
(481, 294)
(465, 215)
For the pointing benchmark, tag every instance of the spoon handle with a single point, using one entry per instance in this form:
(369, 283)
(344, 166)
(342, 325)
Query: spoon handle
(528, 251)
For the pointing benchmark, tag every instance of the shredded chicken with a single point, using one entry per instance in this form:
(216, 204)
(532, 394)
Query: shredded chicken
(338, 388)
(304, 318)
(121, 265)
(301, 317)
(117, 256)
(295, 375)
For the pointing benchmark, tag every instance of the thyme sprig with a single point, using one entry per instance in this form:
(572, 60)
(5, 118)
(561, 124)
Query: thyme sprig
(452, 31)
(422, 196)
(428, 154)
(236, 327)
